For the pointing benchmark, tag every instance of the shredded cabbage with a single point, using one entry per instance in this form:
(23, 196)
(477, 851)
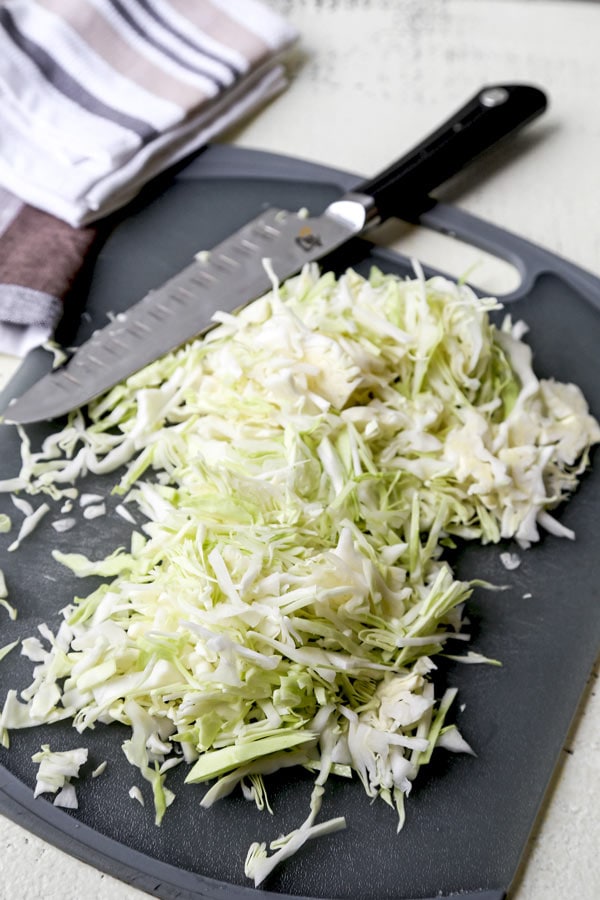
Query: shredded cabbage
(299, 470)
(4, 651)
(29, 524)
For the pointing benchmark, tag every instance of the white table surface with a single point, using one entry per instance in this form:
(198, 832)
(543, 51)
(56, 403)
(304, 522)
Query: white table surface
(370, 79)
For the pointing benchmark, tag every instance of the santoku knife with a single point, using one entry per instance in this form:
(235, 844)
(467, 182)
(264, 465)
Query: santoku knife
(233, 273)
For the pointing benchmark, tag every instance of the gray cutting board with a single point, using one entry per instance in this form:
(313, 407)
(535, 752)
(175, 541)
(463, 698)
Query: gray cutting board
(468, 819)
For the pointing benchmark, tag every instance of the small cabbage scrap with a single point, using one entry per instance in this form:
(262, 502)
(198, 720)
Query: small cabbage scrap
(12, 612)
(4, 651)
(298, 471)
(56, 769)
(29, 524)
(259, 864)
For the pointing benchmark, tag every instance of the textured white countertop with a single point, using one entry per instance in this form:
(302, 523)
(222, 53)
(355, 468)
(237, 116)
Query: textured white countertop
(370, 79)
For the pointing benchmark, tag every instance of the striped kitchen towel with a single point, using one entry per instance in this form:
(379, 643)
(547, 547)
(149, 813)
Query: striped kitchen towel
(97, 97)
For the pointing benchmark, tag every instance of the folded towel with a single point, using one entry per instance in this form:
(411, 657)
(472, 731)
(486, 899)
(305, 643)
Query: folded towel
(97, 97)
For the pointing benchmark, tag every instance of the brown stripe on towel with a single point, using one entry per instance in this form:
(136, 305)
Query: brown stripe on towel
(39, 252)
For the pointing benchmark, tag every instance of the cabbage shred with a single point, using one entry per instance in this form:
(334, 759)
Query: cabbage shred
(300, 469)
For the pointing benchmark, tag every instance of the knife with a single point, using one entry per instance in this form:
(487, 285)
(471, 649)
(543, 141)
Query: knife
(233, 273)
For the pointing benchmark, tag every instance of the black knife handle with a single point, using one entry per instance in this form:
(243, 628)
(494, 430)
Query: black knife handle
(492, 114)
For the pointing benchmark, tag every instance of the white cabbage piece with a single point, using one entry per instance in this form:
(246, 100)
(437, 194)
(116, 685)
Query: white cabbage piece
(56, 768)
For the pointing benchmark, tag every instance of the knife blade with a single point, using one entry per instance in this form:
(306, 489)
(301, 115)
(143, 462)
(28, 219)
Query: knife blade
(234, 273)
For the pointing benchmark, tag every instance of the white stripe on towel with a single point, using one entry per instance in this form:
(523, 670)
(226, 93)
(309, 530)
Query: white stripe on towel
(10, 206)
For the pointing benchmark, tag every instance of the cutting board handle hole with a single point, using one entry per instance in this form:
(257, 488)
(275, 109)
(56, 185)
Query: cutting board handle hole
(456, 258)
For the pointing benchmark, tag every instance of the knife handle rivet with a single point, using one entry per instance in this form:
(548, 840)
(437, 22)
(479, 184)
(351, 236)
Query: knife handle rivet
(493, 97)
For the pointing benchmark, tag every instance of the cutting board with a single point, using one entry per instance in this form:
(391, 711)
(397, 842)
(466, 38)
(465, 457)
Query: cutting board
(468, 818)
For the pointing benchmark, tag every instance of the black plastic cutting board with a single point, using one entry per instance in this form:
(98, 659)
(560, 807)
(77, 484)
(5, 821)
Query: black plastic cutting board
(468, 819)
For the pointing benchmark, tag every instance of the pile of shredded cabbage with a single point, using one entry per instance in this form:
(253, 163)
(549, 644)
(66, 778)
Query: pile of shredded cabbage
(299, 471)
